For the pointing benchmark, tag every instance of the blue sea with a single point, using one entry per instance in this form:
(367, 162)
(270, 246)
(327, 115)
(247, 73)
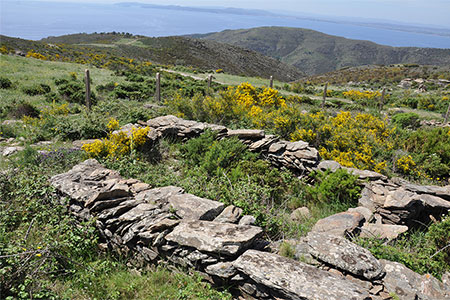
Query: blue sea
(36, 20)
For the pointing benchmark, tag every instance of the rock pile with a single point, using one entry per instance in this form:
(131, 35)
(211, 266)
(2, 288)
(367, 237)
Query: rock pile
(150, 224)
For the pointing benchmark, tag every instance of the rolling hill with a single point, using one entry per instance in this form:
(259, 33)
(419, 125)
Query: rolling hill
(314, 52)
(177, 50)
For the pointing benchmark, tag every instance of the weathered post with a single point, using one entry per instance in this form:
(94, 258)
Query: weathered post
(271, 82)
(209, 81)
(158, 88)
(324, 95)
(87, 80)
(447, 114)
(383, 94)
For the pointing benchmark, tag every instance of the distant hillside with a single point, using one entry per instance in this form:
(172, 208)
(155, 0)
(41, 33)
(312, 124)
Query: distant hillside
(380, 74)
(314, 52)
(202, 54)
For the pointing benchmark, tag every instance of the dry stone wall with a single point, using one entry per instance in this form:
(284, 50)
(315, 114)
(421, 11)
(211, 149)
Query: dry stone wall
(152, 225)
(387, 207)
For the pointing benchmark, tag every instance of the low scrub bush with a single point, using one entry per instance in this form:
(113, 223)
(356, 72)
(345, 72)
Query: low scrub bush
(73, 91)
(338, 187)
(54, 121)
(39, 89)
(24, 110)
(406, 120)
(5, 83)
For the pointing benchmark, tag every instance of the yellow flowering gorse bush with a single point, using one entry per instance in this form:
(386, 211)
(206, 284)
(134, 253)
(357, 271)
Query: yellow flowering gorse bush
(117, 144)
(350, 140)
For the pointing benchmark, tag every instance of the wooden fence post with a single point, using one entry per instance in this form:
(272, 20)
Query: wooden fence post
(383, 94)
(271, 82)
(324, 95)
(158, 88)
(87, 80)
(209, 81)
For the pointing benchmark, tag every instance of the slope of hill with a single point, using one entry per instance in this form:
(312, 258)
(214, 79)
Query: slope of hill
(202, 54)
(314, 52)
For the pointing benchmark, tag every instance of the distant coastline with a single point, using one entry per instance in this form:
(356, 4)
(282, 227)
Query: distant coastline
(36, 20)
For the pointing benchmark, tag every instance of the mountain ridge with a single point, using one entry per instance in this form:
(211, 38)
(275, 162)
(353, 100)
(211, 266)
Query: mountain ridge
(314, 52)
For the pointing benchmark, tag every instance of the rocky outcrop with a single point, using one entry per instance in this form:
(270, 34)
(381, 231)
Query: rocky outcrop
(151, 224)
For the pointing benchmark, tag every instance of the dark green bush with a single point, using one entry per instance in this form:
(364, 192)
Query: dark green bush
(134, 91)
(5, 83)
(39, 89)
(337, 187)
(24, 109)
(74, 91)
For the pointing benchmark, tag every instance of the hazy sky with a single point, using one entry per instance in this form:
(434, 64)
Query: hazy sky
(433, 12)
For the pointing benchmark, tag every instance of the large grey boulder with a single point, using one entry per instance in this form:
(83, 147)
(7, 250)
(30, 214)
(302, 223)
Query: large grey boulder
(289, 279)
(406, 284)
(344, 255)
(340, 224)
(220, 238)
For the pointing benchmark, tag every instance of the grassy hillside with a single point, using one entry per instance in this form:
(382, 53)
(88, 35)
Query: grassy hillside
(201, 54)
(314, 52)
(46, 254)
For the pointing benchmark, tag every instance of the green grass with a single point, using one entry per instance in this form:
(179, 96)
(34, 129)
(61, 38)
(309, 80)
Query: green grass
(25, 72)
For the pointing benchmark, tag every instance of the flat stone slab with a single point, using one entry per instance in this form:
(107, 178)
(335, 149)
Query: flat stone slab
(191, 207)
(345, 255)
(339, 224)
(290, 279)
(220, 238)
(382, 231)
(246, 133)
(407, 284)
(400, 199)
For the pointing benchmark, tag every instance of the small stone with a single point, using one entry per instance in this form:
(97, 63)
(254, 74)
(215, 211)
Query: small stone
(340, 224)
(300, 214)
(247, 220)
(329, 165)
(367, 213)
(223, 270)
(230, 214)
(276, 147)
(376, 289)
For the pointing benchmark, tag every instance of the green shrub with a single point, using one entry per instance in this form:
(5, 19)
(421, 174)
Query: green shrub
(74, 91)
(287, 250)
(24, 109)
(430, 150)
(134, 91)
(406, 120)
(5, 83)
(39, 89)
(214, 157)
(337, 187)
